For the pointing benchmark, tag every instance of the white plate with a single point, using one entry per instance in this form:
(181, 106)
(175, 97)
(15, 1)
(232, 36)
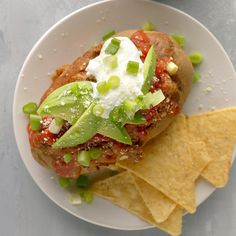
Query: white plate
(77, 32)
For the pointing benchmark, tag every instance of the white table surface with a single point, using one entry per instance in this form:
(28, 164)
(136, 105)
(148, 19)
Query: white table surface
(24, 209)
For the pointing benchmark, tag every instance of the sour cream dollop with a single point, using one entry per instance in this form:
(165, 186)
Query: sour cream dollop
(130, 85)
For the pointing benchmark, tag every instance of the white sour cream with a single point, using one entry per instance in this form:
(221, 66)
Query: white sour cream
(130, 85)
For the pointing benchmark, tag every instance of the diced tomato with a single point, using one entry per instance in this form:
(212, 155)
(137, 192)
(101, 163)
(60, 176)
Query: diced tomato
(68, 170)
(151, 114)
(42, 137)
(141, 41)
(161, 65)
(45, 136)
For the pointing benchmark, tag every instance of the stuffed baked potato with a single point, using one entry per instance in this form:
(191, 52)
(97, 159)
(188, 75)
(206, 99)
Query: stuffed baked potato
(173, 76)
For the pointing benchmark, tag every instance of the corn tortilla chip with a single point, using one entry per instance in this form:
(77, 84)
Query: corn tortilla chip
(218, 130)
(158, 204)
(121, 190)
(171, 165)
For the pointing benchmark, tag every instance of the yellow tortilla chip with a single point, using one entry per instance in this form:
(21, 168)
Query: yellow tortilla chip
(158, 204)
(171, 165)
(121, 190)
(218, 131)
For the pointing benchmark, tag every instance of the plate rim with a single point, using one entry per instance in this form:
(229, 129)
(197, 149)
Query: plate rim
(31, 52)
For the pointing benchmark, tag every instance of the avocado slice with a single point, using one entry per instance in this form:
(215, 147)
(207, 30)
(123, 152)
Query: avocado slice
(87, 126)
(84, 129)
(149, 69)
(68, 102)
(111, 130)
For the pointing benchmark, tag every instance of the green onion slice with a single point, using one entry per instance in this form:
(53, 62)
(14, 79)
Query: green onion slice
(35, 123)
(152, 99)
(94, 153)
(179, 39)
(84, 158)
(86, 196)
(132, 67)
(148, 26)
(82, 181)
(196, 76)
(64, 182)
(30, 108)
(103, 88)
(111, 61)
(113, 46)
(114, 81)
(196, 58)
(67, 157)
(130, 107)
(108, 35)
(74, 198)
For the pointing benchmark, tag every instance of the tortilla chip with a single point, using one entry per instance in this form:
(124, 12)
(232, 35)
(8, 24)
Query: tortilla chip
(158, 204)
(121, 190)
(218, 130)
(170, 165)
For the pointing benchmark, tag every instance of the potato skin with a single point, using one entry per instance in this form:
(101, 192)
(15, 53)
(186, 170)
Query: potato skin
(164, 45)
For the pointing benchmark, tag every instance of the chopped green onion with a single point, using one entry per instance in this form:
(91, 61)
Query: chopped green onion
(196, 76)
(179, 39)
(113, 46)
(94, 153)
(86, 196)
(132, 67)
(196, 58)
(111, 61)
(64, 182)
(139, 100)
(83, 158)
(67, 157)
(98, 110)
(75, 199)
(56, 125)
(114, 81)
(103, 88)
(108, 35)
(153, 99)
(130, 108)
(35, 123)
(148, 26)
(59, 121)
(172, 68)
(82, 181)
(116, 41)
(30, 108)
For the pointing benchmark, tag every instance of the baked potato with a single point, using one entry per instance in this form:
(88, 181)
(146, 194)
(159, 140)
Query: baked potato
(175, 87)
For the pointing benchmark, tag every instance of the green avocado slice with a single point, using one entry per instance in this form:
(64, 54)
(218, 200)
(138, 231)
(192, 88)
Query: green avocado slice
(84, 129)
(111, 130)
(87, 126)
(149, 69)
(68, 102)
